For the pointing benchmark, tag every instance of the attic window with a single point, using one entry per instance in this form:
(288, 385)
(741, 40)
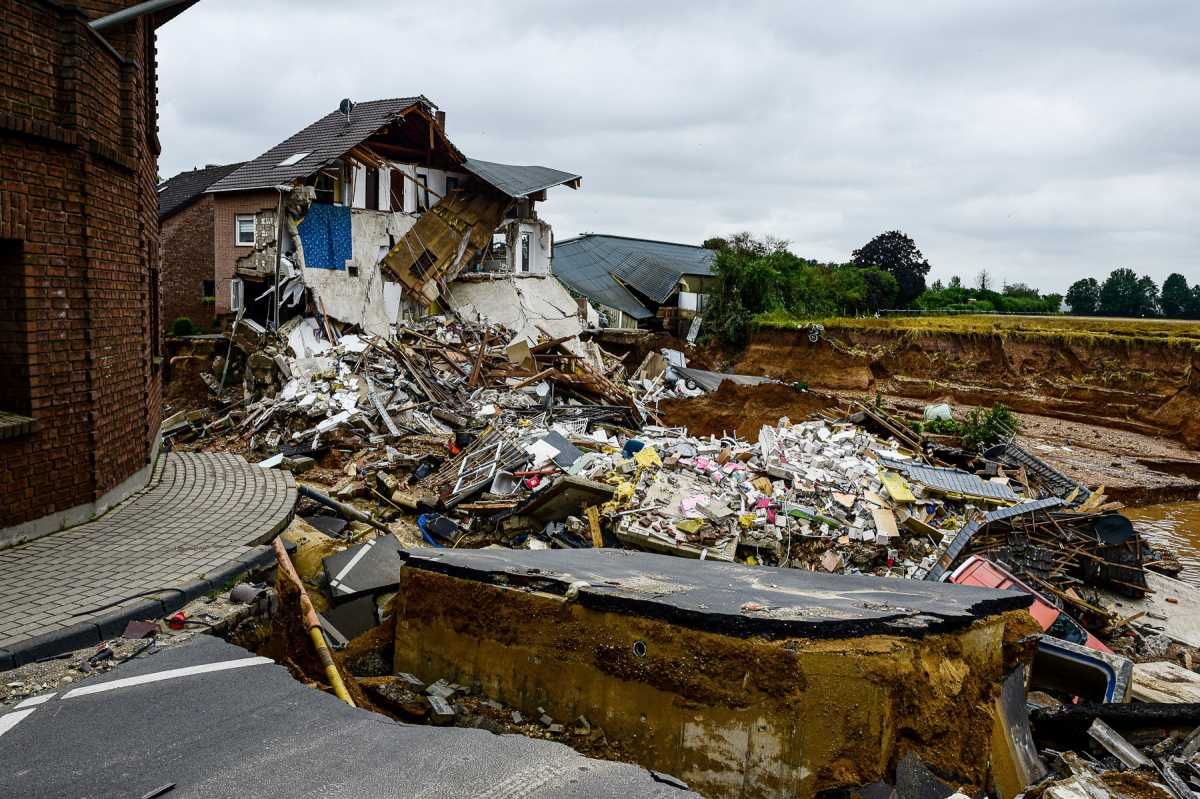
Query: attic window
(294, 159)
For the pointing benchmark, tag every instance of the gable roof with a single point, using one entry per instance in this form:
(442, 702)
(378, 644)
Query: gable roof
(321, 142)
(601, 267)
(180, 191)
(519, 181)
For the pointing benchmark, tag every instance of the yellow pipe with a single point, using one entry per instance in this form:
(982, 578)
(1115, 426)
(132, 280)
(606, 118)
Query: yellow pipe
(313, 623)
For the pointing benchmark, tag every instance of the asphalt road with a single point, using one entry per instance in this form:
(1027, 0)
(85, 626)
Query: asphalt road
(713, 596)
(211, 720)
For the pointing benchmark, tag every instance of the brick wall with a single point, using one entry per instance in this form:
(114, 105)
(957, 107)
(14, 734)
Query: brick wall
(78, 149)
(228, 206)
(187, 261)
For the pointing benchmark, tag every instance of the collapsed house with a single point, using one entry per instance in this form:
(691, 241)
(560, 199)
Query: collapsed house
(366, 216)
(637, 283)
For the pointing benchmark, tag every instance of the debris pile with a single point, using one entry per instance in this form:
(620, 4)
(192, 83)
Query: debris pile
(462, 434)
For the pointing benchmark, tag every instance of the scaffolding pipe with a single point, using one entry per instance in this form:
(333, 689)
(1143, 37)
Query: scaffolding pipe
(133, 12)
(347, 511)
(313, 623)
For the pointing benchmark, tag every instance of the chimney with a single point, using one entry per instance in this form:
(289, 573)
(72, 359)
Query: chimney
(440, 116)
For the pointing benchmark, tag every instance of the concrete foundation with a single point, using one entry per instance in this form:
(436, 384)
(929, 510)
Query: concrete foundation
(742, 682)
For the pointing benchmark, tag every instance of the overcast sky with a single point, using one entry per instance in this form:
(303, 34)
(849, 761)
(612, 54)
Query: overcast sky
(1042, 141)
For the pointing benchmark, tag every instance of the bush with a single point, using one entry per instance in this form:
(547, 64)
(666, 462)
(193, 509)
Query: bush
(985, 428)
(182, 327)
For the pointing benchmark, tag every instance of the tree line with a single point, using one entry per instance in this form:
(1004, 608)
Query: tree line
(761, 277)
(758, 277)
(1123, 293)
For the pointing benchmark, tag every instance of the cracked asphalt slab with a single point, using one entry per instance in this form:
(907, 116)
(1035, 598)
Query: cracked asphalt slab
(729, 598)
(212, 720)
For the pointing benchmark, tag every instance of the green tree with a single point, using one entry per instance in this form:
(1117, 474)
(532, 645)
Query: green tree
(937, 285)
(897, 254)
(1147, 297)
(1176, 296)
(882, 289)
(1193, 307)
(1120, 295)
(1084, 297)
(955, 282)
(715, 243)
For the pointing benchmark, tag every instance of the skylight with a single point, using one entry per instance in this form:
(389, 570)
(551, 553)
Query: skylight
(293, 159)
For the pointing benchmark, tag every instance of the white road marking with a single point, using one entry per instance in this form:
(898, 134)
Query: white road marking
(354, 560)
(170, 674)
(10, 720)
(34, 701)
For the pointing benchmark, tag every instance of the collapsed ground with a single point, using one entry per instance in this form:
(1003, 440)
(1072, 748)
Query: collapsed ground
(1112, 403)
(451, 436)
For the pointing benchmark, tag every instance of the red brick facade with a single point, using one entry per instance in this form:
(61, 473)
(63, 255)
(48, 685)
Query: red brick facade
(79, 237)
(187, 262)
(228, 206)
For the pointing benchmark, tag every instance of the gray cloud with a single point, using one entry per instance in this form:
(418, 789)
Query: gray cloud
(1044, 142)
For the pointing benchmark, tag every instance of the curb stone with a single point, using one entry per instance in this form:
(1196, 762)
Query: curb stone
(110, 625)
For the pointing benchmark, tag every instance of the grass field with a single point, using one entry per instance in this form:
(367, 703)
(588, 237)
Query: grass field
(1173, 331)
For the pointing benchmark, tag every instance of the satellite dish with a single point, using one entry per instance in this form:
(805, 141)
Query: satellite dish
(346, 106)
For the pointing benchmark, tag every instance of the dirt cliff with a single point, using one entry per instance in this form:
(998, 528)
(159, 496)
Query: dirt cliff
(1141, 384)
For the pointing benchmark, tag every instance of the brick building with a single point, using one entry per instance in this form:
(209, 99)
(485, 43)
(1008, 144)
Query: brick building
(187, 217)
(80, 351)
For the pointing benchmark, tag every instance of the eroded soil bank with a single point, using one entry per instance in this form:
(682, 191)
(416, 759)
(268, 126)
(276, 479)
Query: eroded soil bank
(742, 410)
(1119, 411)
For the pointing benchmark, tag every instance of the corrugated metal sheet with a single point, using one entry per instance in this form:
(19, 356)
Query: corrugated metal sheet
(951, 481)
(518, 181)
(324, 140)
(605, 268)
(968, 530)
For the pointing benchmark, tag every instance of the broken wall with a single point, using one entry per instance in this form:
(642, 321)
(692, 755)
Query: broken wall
(356, 295)
(527, 305)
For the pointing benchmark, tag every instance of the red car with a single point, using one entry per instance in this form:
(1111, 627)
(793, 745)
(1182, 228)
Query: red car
(985, 574)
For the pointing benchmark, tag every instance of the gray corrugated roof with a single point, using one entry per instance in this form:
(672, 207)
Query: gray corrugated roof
(518, 181)
(952, 481)
(597, 265)
(324, 140)
(968, 531)
(178, 192)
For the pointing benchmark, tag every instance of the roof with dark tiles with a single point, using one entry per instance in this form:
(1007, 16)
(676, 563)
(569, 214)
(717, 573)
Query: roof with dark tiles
(182, 190)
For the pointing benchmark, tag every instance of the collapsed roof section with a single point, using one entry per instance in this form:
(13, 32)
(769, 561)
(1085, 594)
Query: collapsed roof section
(520, 181)
(627, 274)
(382, 135)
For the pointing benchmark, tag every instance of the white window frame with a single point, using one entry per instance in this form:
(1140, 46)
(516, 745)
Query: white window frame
(237, 230)
(237, 294)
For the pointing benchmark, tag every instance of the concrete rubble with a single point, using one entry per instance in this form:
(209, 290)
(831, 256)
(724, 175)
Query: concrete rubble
(457, 432)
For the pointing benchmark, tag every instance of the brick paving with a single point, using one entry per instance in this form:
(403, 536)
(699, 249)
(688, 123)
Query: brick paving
(198, 513)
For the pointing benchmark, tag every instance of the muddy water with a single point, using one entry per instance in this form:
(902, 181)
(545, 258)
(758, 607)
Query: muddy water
(1175, 526)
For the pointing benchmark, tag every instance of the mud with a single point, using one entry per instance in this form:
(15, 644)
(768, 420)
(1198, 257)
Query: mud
(1142, 384)
(1111, 410)
(1134, 468)
(732, 717)
(633, 347)
(1176, 528)
(742, 409)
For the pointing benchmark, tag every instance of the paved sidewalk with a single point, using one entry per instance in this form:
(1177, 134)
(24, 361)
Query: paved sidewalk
(201, 518)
